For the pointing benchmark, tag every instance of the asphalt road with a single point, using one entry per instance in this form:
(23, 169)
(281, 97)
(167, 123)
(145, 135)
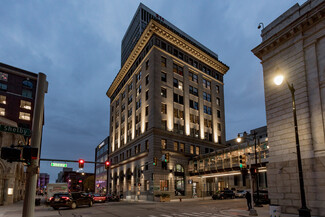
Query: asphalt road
(199, 208)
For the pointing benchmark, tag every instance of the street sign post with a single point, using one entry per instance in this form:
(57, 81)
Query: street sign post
(59, 165)
(16, 130)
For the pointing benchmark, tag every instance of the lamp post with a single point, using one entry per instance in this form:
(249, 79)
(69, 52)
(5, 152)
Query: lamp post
(303, 211)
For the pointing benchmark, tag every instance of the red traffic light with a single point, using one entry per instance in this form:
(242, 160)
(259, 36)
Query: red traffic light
(107, 163)
(81, 163)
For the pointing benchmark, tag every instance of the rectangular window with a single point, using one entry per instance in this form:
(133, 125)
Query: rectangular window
(147, 64)
(24, 116)
(197, 150)
(123, 107)
(194, 91)
(163, 108)
(130, 87)
(218, 101)
(182, 147)
(207, 96)
(163, 76)
(147, 79)
(3, 76)
(206, 84)
(163, 124)
(178, 69)
(139, 90)
(194, 105)
(175, 146)
(164, 92)
(147, 145)
(217, 89)
(218, 114)
(2, 112)
(146, 126)
(123, 95)
(179, 99)
(138, 104)
(207, 110)
(192, 149)
(219, 126)
(147, 110)
(138, 77)
(163, 185)
(25, 93)
(193, 77)
(130, 99)
(181, 114)
(147, 95)
(130, 112)
(163, 62)
(3, 99)
(164, 144)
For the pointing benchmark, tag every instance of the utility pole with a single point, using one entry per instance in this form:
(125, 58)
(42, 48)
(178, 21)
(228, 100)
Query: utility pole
(33, 169)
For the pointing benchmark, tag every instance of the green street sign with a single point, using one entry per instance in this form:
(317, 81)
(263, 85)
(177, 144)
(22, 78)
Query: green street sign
(59, 165)
(16, 130)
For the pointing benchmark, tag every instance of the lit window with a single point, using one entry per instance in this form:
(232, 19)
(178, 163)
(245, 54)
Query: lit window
(3, 99)
(25, 105)
(24, 116)
(163, 144)
(3, 86)
(3, 76)
(2, 112)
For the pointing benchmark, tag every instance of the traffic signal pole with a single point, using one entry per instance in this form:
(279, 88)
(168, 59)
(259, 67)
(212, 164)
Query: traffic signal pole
(33, 169)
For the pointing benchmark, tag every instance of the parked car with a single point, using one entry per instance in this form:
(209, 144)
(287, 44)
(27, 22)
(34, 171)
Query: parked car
(223, 194)
(71, 200)
(112, 198)
(263, 196)
(99, 198)
(240, 193)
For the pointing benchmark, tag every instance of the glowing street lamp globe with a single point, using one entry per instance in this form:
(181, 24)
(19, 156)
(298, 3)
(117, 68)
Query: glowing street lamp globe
(278, 80)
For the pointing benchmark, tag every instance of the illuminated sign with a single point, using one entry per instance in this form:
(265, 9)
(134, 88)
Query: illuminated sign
(59, 165)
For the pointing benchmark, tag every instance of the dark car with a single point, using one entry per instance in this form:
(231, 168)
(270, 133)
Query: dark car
(263, 197)
(223, 194)
(71, 200)
(112, 198)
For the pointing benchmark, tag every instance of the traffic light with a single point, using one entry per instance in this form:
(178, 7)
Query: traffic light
(167, 158)
(107, 163)
(81, 163)
(240, 161)
(155, 161)
(29, 154)
(10, 154)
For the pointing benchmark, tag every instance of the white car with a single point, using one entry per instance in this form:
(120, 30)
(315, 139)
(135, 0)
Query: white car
(240, 193)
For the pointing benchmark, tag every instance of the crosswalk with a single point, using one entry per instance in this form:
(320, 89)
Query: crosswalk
(192, 214)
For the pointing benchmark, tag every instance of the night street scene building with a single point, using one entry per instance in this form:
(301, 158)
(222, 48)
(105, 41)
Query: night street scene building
(77, 180)
(293, 45)
(42, 181)
(221, 169)
(17, 97)
(167, 105)
(101, 155)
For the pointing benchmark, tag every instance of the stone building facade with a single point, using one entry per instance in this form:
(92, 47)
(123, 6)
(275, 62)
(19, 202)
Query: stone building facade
(166, 105)
(294, 45)
(12, 176)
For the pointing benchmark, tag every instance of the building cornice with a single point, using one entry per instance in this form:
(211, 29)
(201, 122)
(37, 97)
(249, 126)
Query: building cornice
(299, 25)
(156, 28)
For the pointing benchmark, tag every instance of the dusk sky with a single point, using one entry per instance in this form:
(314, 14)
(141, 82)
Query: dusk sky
(77, 44)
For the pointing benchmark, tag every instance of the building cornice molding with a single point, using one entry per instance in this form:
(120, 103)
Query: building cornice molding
(298, 26)
(156, 28)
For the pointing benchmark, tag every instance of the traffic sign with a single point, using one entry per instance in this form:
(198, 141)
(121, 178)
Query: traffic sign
(59, 165)
(16, 130)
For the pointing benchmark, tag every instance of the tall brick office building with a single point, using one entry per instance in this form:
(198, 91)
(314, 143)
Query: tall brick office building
(167, 101)
(294, 45)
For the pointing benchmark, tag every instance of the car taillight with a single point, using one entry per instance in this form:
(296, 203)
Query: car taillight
(51, 198)
(66, 198)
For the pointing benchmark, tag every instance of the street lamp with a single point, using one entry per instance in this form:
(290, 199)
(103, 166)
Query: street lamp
(303, 211)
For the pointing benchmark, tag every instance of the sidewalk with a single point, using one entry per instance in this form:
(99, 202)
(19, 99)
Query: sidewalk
(16, 210)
